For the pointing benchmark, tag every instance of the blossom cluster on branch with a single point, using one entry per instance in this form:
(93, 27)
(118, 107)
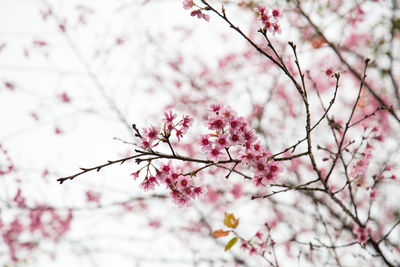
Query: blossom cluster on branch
(232, 141)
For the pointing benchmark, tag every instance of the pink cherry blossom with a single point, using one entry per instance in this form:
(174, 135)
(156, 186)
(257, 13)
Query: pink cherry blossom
(374, 194)
(215, 154)
(222, 141)
(237, 191)
(205, 142)
(362, 233)
(92, 196)
(215, 108)
(188, 4)
(276, 13)
(215, 122)
(135, 175)
(169, 117)
(149, 183)
(151, 133)
(227, 113)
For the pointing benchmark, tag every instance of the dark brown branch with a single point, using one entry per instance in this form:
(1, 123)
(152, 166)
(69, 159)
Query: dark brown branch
(389, 232)
(291, 187)
(97, 168)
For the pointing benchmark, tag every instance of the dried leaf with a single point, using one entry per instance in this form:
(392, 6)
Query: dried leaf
(230, 220)
(220, 233)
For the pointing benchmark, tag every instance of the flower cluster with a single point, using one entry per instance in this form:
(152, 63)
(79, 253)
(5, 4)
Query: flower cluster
(362, 233)
(182, 187)
(258, 244)
(189, 4)
(269, 18)
(39, 222)
(151, 136)
(234, 132)
(360, 167)
(232, 141)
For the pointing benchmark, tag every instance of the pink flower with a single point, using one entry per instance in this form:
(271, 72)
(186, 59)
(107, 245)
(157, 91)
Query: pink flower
(200, 15)
(362, 233)
(188, 4)
(20, 200)
(196, 12)
(146, 144)
(261, 9)
(388, 167)
(259, 149)
(228, 114)
(179, 133)
(179, 199)
(57, 130)
(149, 183)
(235, 123)
(183, 182)
(249, 135)
(183, 201)
(258, 181)
(205, 142)
(270, 177)
(65, 98)
(265, 19)
(374, 194)
(169, 117)
(266, 173)
(237, 191)
(244, 245)
(236, 138)
(275, 167)
(151, 132)
(248, 157)
(276, 13)
(222, 141)
(187, 191)
(197, 191)
(175, 174)
(215, 108)
(360, 168)
(9, 85)
(166, 168)
(153, 179)
(93, 197)
(135, 175)
(259, 235)
(206, 17)
(276, 28)
(212, 196)
(215, 122)
(329, 72)
(260, 166)
(186, 123)
(155, 224)
(215, 154)
(253, 251)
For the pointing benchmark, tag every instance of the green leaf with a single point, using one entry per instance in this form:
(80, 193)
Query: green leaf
(231, 243)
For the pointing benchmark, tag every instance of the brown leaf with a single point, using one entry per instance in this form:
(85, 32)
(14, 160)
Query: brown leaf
(220, 233)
